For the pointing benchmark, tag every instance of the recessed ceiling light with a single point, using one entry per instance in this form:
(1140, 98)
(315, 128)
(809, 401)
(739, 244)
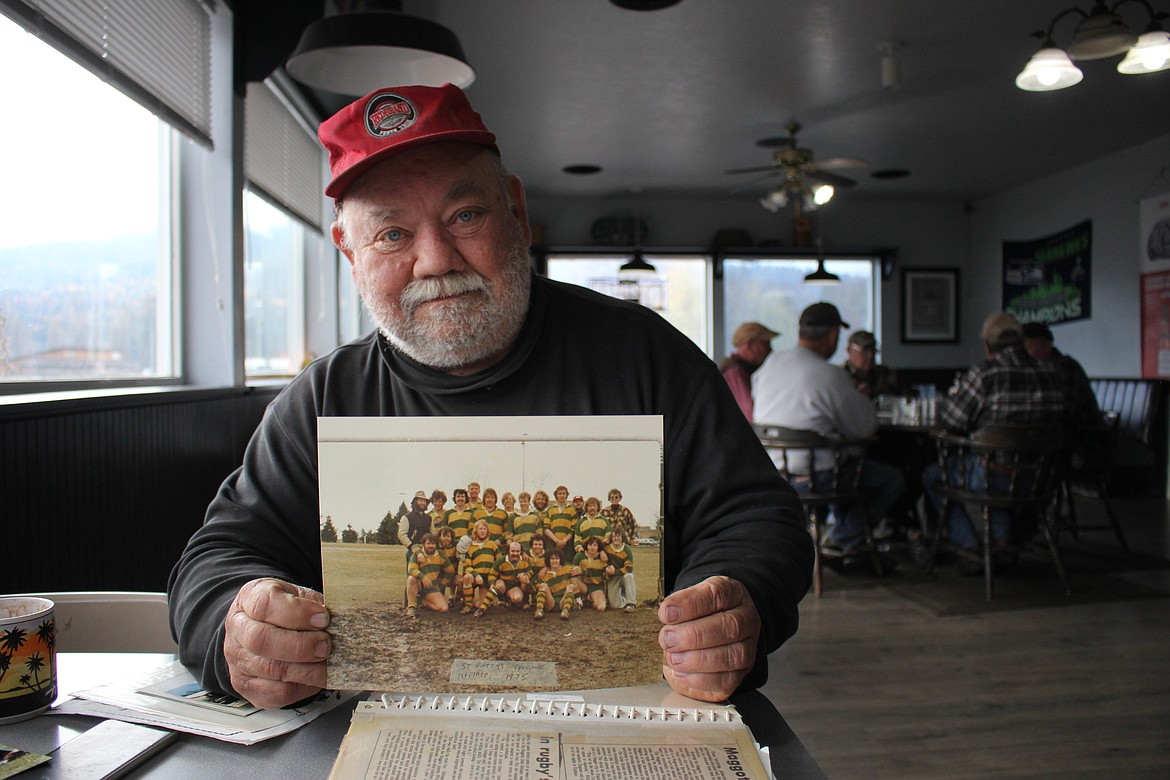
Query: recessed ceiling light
(891, 173)
(581, 170)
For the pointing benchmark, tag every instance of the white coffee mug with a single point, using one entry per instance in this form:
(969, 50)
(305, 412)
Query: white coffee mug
(28, 657)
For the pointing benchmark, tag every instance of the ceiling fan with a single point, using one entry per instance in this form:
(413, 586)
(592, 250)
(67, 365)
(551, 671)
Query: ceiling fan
(804, 179)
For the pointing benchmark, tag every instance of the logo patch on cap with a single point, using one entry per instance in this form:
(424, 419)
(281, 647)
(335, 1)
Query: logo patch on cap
(387, 114)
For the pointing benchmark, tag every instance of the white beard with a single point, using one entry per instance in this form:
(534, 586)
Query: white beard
(460, 332)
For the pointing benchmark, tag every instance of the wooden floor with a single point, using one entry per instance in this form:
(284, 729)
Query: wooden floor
(875, 688)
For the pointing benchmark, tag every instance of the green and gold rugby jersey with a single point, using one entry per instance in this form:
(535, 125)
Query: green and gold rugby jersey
(459, 522)
(592, 569)
(621, 560)
(497, 520)
(481, 557)
(562, 522)
(524, 527)
(431, 570)
(557, 579)
(588, 527)
(510, 572)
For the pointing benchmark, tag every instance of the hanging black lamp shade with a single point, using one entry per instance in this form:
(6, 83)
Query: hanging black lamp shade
(359, 51)
(637, 263)
(822, 276)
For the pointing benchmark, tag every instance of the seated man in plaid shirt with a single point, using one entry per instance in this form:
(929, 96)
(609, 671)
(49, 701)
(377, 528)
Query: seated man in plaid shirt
(1007, 387)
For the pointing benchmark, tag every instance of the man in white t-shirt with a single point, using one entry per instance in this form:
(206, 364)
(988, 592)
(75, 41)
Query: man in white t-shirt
(799, 389)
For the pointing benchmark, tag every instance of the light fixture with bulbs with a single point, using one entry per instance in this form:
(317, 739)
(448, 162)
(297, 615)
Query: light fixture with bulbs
(810, 196)
(1101, 33)
(370, 44)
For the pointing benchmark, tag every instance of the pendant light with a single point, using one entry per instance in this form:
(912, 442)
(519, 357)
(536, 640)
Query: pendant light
(637, 262)
(821, 277)
(371, 44)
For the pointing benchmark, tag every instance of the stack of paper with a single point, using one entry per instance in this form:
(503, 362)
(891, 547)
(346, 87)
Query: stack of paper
(170, 697)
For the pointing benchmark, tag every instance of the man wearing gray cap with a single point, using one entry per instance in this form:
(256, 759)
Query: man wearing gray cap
(799, 389)
(869, 377)
(753, 344)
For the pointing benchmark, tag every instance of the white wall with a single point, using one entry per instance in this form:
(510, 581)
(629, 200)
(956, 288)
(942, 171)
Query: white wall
(1108, 192)
(947, 234)
(925, 233)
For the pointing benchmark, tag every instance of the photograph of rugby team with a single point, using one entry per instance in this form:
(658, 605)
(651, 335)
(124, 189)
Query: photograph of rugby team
(520, 552)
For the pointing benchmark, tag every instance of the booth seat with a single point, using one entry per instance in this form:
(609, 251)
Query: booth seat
(1139, 462)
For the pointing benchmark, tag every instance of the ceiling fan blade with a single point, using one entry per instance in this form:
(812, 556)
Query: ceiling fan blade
(838, 181)
(758, 169)
(747, 185)
(838, 163)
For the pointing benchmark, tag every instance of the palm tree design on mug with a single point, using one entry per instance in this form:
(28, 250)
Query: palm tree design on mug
(11, 642)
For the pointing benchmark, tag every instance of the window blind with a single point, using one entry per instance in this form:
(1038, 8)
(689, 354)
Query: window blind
(282, 158)
(156, 51)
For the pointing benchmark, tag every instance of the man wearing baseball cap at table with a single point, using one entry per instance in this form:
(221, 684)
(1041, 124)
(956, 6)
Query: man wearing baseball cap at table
(869, 376)
(437, 234)
(753, 344)
(801, 390)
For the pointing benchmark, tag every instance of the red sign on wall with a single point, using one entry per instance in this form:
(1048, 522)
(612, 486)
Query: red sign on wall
(1156, 325)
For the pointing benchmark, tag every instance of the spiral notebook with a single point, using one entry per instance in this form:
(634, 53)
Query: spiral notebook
(637, 733)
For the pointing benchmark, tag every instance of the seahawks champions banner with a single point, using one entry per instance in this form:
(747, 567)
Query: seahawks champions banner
(1047, 279)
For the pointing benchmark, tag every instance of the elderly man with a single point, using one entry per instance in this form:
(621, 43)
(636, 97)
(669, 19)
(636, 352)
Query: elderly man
(1010, 386)
(437, 234)
(753, 343)
(799, 389)
(869, 377)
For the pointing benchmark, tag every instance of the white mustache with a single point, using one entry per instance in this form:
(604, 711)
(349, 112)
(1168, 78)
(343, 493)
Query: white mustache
(421, 291)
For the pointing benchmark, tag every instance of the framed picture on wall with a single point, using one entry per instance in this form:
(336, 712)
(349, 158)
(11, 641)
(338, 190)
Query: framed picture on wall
(930, 305)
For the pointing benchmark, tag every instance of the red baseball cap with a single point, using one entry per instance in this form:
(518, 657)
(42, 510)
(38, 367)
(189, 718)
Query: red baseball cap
(391, 120)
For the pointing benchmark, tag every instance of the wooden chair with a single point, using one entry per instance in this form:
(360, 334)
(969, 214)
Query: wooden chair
(1019, 464)
(791, 449)
(111, 622)
(1091, 481)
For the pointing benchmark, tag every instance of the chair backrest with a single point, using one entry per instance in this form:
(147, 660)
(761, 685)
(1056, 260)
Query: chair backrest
(793, 450)
(1006, 461)
(111, 622)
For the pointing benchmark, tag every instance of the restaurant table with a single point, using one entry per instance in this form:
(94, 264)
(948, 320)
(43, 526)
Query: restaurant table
(308, 752)
(911, 448)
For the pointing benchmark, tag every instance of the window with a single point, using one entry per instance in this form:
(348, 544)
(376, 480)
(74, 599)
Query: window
(274, 289)
(679, 287)
(772, 291)
(349, 306)
(86, 261)
(283, 240)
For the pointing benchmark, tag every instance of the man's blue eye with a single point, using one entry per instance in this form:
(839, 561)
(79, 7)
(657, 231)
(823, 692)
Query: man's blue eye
(465, 216)
(393, 235)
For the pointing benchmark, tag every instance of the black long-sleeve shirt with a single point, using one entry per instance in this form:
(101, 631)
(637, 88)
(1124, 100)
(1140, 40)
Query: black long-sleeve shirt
(726, 509)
